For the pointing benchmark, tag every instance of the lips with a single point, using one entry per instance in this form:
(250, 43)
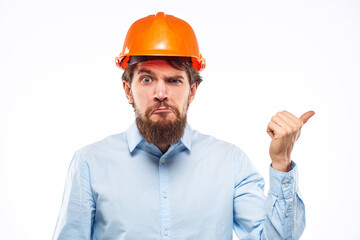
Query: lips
(162, 110)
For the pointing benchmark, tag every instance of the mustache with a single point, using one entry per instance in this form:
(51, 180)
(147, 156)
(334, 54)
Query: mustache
(162, 104)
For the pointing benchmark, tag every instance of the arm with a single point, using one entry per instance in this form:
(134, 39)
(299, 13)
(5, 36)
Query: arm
(284, 206)
(284, 214)
(279, 216)
(77, 211)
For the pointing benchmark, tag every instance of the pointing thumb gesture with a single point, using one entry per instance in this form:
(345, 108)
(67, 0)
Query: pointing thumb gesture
(306, 116)
(284, 129)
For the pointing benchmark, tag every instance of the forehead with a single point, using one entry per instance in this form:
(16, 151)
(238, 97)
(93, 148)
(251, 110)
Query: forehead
(159, 67)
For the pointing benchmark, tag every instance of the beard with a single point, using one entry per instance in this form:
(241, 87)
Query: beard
(164, 131)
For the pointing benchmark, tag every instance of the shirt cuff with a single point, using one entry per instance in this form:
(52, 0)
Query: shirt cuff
(284, 184)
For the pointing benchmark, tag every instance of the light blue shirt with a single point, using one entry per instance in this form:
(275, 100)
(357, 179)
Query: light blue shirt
(201, 188)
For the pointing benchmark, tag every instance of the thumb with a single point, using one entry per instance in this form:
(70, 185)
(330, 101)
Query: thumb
(306, 116)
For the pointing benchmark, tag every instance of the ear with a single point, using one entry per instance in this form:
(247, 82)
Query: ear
(192, 93)
(128, 92)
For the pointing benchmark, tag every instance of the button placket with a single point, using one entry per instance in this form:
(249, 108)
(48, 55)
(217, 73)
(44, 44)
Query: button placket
(165, 204)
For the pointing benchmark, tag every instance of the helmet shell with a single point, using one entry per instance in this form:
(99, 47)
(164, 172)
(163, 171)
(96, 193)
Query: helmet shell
(161, 35)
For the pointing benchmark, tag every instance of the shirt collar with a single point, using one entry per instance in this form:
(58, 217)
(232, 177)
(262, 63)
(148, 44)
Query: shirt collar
(134, 137)
(187, 137)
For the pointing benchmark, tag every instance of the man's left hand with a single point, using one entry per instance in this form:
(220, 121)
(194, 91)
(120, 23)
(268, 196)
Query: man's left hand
(284, 129)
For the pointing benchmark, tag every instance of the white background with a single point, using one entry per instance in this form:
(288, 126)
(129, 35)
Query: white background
(60, 90)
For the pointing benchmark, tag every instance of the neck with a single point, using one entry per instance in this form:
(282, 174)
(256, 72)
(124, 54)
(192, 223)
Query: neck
(163, 147)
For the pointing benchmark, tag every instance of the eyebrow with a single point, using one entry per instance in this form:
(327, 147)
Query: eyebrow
(147, 71)
(143, 70)
(175, 77)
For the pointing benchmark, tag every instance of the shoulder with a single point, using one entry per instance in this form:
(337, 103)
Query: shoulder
(107, 145)
(212, 143)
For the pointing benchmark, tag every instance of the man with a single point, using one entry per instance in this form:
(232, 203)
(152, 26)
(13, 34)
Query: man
(162, 180)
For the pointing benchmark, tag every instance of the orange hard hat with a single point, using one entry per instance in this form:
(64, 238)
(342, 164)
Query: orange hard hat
(161, 35)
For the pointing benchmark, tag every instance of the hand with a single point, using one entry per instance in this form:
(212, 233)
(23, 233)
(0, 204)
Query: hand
(284, 129)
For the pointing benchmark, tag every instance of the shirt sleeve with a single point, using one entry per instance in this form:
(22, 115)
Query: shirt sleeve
(279, 216)
(77, 211)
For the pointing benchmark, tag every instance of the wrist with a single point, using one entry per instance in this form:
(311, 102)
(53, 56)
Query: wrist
(282, 166)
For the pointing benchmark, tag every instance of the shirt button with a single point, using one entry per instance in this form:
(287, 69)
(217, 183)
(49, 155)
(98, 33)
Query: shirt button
(286, 184)
(163, 161)
(165, 195)
(286, 214)
(166, 232)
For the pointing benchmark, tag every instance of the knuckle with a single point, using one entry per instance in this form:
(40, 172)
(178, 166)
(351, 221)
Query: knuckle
(282, 132)
(300, 122)
(289, 130)
(294, 127)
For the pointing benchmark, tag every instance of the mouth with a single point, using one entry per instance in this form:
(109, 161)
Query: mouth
(162, 110)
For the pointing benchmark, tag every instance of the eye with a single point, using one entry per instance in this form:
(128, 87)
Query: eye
(174, 81)
(146, 80)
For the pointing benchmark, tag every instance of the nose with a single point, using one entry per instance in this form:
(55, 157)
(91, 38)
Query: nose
(160, 91)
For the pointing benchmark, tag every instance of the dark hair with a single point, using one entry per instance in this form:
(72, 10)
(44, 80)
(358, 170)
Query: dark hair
(193, 75)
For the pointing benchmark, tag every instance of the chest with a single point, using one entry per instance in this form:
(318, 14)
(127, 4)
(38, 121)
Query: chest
(151, 193)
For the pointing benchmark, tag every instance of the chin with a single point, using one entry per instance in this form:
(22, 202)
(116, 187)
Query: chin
(163, 117)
